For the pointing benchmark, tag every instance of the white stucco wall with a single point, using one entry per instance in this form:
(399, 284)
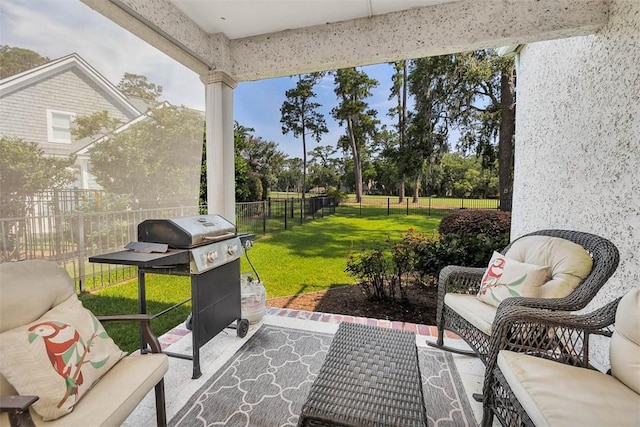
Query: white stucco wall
(577, 160)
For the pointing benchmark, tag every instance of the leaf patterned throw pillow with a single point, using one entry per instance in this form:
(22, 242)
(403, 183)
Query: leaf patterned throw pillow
(506, 277)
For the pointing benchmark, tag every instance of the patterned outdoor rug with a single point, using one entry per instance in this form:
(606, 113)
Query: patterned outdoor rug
(267, 381)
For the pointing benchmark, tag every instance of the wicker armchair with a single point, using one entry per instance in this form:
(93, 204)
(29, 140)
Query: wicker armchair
(466, 280)
(521, 389)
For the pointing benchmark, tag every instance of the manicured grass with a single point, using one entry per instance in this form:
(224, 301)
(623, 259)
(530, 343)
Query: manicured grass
(162, 292)
(313, 256)
(309, 257)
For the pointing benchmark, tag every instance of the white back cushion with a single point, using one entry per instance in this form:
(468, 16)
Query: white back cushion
(569, 262)
(28, 289)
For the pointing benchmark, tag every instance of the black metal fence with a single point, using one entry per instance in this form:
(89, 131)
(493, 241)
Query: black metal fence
(274, 215)
(55, 202)
(71, 237)
(423, 206)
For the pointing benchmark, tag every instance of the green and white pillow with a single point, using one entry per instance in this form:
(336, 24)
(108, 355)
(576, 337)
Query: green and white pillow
(506, 277)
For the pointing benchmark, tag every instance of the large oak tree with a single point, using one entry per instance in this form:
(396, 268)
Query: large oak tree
(353, 87)
(482, 103)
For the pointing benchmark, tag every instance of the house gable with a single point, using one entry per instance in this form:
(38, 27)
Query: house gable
(31, 102)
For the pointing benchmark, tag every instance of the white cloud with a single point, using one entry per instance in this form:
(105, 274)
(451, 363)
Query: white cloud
(60, 27)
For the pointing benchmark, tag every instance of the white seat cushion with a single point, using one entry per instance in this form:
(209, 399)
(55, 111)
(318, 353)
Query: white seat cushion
(114, 396)
(554, 394)
(476, 312)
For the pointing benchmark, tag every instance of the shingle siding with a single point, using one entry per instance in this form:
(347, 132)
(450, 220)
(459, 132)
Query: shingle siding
(23, 113)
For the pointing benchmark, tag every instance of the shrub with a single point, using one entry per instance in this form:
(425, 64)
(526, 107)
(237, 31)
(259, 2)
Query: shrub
(371, 268)
(467, 238)
(453, 249)
(255, 188)
(337, 194)
(383, 271)
(472, 222)
(437, 253)
(404, 254)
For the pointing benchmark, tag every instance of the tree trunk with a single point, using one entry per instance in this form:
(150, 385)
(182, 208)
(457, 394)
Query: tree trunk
(357, 167)
(416, 188)
(506, 142)
(304, 164)
(402, 121)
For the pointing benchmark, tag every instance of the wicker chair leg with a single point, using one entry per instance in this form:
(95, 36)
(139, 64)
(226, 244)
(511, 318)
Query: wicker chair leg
(20, 419)
(440, 340)
(487, 417)
(161, 409)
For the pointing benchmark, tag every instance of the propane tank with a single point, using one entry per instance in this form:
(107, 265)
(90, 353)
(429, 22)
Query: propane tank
(254, 298)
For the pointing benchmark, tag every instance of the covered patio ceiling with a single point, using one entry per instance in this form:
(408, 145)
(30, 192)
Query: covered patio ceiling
(257, 39)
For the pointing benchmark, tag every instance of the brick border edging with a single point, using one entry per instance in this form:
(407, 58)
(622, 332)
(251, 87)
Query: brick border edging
(423, 330)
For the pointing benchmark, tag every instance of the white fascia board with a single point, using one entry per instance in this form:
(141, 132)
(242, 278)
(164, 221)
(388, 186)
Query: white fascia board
(17, 81)
(42, 72)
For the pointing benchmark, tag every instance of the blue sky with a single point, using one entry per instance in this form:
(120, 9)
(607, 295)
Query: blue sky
(55, 28)
(257, 105)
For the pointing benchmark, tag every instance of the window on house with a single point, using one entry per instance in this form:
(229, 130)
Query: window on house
(59, 126)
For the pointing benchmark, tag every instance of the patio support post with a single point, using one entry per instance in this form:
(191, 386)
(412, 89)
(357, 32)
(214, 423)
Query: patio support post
(221, 189)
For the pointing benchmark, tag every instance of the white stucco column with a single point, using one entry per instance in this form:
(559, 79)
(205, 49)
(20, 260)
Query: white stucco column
(221, 189)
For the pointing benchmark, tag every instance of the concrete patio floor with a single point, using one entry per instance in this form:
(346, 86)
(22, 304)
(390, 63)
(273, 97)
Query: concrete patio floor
(179, 386)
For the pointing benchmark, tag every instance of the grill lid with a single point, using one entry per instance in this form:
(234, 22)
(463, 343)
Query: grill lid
(186, 232)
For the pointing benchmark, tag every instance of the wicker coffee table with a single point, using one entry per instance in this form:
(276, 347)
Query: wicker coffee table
(370, 377)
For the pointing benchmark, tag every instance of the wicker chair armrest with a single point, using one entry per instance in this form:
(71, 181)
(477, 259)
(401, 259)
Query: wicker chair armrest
(145, 325)
(556, 335)
(16, 403)
(509, 315)
(454, 278)
(560, 304)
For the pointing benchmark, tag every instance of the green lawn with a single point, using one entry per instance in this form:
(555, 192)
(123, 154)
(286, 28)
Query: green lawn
(162, 292)
(307, 258)
(313, 256)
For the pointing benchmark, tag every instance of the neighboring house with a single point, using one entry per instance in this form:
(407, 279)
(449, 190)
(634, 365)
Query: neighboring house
(84, 151)
(39, 105)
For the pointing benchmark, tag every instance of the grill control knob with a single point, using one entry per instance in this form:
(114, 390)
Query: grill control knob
(232, 249)
(212, 256)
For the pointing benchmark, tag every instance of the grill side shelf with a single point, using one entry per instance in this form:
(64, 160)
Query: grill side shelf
(144, 260)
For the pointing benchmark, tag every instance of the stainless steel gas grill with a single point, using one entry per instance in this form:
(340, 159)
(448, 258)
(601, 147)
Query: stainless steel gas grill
(211, 239)
(207, 248)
